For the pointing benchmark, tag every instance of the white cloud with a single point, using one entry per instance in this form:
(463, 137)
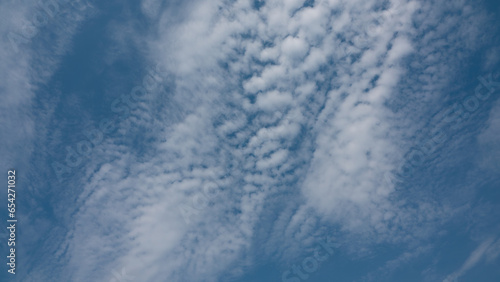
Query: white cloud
(473, 259)
(266, 104)
(294, 48)
(488, 141)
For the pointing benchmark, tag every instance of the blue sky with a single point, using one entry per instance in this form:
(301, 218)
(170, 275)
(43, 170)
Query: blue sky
(281, 140)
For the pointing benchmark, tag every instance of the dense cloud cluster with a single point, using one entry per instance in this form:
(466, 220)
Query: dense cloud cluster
(278, 113)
